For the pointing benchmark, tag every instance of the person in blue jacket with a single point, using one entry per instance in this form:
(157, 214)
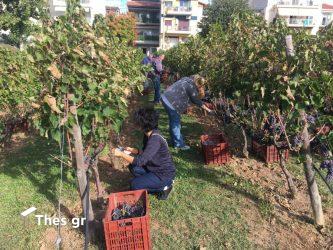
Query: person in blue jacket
(176, 99)
(152, 167)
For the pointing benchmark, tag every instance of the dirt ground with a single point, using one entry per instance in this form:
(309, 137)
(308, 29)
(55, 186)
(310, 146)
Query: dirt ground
(291, 225)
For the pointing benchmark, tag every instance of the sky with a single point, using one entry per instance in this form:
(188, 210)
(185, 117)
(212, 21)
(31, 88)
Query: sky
(328, 1)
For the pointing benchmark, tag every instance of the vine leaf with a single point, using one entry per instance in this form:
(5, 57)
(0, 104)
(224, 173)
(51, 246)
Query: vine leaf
(51, 101)
(290, 94)
(54, 71)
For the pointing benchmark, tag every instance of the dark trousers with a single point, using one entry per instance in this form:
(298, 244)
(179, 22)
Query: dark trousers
(143, 179)
(157, 88)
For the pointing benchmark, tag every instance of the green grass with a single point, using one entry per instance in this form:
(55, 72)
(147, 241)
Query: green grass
(29, 177)
(203, 210)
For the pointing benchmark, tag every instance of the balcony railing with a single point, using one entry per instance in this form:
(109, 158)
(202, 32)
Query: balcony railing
(179, 9)
(148, 38)
(177, 29)
(301, 22)
(81, 1)
(297, 3)
(148, 20)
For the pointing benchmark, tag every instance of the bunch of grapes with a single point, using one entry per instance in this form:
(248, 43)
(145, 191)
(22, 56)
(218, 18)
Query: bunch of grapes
(321, 148)
(298, 141)
(328, 164)
(272, 127)
(125, 211)
(310, 119)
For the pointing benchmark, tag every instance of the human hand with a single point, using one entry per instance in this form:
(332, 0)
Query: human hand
(116, 152)
(132, 150)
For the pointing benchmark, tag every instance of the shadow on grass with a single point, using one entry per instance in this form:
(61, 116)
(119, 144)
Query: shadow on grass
(32, 159)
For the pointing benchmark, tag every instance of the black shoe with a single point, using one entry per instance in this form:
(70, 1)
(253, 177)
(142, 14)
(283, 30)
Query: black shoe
(164, 194)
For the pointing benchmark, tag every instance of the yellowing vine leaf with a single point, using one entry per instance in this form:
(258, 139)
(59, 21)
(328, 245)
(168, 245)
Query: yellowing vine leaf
(127, 92)
(290, 94)
(104, 57)
(35, 105)
(78, 51)
(101, 41)
(54, 71)
(51, 101)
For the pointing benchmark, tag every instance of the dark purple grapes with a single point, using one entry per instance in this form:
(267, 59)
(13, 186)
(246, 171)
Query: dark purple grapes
(297, 141)
(328, 165)
(310, 119)
(125, 211)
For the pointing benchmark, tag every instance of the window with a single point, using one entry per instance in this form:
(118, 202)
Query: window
(168, 23)
(184, 3)
(184, 25)
(168, 4)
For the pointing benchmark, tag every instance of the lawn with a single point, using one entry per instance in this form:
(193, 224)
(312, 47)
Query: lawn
(205, 208)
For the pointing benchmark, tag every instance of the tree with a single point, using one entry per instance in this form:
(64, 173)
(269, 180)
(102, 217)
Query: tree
(18, 17)
(220, 11)
(270, 92)
(87, 77)
(120, 25)
(18, 89)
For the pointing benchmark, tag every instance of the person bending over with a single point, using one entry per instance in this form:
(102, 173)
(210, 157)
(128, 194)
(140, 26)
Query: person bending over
(176, 99)
(152, 167)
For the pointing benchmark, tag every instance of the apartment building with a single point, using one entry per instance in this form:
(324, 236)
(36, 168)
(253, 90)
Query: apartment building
(116, 6)
(327, 12)
(179, 21)
(309, 14)
(148, 19)
(91, 7)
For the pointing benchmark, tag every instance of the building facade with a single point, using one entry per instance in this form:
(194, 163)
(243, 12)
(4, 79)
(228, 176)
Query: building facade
(148, 20)
(309, 14)
(179, 21)
(91, 7)
(119, 6)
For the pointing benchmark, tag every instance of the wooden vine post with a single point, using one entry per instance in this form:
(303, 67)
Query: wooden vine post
(308, 168)
(81, 170)
(310, 177)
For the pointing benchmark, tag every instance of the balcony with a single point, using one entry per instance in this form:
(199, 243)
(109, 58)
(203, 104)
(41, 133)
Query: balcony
(148, 40)
(148, 37)
(298, 10)
(177, 30)
(63, 2)
(180, 10)
(298, 3)
(143, 19)
(301, 22)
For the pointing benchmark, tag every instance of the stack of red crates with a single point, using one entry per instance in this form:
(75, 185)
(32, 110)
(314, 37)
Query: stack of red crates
(215, 149)
(132, 233)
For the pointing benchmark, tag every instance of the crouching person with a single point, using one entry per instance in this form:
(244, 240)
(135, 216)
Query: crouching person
(153, 168)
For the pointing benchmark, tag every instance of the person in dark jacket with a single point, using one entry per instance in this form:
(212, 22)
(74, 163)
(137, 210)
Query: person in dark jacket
(148, 59)
(176, 99)
(152, 167)
(157, 73)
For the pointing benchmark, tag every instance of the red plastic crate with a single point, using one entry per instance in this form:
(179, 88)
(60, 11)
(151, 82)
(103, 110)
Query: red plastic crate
(215, 149)
(268, 153)
(132, 233)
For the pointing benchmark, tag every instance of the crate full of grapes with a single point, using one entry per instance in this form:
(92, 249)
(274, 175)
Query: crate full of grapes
(215, 149)
(127, 221)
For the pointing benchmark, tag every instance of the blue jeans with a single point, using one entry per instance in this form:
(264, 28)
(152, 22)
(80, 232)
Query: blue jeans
(174, 127)
(143, 179)
(157, 88)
